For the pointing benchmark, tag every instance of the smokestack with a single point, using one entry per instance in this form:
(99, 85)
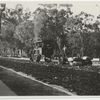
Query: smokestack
(39, 18)
(37, 29)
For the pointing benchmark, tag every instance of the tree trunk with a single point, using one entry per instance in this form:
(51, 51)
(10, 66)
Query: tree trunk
(82, 45)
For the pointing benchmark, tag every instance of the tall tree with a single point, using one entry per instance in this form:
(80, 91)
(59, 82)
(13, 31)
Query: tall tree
(54, 26)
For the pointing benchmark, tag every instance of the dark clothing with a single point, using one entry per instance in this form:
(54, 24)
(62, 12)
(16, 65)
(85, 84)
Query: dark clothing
(38, 58)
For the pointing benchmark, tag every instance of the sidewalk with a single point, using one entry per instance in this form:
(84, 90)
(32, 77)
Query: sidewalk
(5, 91)
(23, 85)
(22, 58)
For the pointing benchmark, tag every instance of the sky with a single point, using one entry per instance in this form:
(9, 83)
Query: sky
(91, 7)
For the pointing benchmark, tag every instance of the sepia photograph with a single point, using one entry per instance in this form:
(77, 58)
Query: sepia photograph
(49, 48)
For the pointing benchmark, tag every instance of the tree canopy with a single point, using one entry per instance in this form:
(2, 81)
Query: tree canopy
(78, 33)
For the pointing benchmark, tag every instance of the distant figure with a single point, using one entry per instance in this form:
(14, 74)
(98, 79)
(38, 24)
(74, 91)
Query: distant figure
(31, 55)
(38, 58)
(48, 60)
(78, 61)
(64, 60)
(87, 61)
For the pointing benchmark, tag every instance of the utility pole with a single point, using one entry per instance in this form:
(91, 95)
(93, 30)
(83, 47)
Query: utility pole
(2, 8)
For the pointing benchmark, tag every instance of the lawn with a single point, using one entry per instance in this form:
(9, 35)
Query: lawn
(83, 81)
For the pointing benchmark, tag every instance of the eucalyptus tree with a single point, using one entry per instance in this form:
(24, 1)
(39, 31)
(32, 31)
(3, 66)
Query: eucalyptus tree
(53, 26)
